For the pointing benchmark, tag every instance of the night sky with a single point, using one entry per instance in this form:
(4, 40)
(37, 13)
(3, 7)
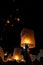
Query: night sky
(14, 16)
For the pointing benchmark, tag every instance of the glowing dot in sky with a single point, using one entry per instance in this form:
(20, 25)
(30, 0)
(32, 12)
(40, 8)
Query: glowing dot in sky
(18, 19)
(8, 22)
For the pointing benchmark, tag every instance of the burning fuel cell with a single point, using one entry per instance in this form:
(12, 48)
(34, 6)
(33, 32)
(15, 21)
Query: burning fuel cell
(27, 37)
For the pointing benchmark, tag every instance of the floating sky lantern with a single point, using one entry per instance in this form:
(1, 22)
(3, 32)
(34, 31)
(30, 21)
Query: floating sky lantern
(27, 37)
(17, 55)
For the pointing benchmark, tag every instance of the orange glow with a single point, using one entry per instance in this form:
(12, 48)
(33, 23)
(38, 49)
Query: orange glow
(16, 57)
(26, 40)
(9, 59)
(27, 37)
(17, 54)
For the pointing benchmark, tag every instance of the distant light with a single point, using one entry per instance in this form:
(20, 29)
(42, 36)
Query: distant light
(17, 57)
(18, 19)
(5, 54)
(24, 48)
(27, 37)
(8, 22)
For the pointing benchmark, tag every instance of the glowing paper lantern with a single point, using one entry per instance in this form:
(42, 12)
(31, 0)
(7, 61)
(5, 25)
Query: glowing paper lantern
(27, 37)
(17, 55)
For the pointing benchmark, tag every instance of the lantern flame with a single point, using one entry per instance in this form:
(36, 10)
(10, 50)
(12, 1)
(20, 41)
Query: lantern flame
(26, 40)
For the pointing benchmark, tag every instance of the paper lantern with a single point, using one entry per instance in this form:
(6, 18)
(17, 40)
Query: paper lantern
(17, 55)
(27, 37)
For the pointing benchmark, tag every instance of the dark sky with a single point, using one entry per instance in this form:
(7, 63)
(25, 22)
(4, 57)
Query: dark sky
(30, 16)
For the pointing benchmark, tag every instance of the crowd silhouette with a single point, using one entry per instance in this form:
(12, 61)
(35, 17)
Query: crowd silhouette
(30, 59)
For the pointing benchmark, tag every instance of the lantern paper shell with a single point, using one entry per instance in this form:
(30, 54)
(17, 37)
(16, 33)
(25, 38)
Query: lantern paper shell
(27, 37)
(17, 55)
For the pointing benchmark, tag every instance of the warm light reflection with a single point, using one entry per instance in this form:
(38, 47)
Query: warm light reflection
(18, 19)
(9, 58)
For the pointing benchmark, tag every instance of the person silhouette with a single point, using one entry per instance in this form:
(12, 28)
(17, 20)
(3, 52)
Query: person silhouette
(27, 55)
